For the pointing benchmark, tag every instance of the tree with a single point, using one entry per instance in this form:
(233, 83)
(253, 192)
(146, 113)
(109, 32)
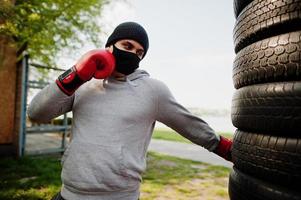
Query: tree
(44, 27)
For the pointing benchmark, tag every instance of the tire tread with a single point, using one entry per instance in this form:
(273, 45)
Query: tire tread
(266, 18)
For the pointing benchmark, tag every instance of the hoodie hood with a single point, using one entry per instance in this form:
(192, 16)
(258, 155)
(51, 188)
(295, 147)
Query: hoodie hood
(129, 79)
(137, 74)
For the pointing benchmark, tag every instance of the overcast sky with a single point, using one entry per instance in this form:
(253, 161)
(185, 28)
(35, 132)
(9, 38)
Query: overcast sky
(191, 47)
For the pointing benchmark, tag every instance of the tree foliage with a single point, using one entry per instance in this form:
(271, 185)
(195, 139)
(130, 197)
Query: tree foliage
(44, 27)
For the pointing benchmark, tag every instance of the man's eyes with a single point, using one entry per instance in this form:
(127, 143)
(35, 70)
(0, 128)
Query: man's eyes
(128, 46)
(140, 53)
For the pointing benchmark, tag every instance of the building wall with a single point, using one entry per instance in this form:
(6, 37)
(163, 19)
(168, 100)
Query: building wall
(8, 78)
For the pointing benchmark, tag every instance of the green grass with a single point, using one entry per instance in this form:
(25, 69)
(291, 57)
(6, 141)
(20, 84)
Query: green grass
(166, 177)
(29, 178)
(170, 135)
(166, 134)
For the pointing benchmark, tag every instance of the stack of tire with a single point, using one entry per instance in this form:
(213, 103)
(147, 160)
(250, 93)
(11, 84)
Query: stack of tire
(266, 107)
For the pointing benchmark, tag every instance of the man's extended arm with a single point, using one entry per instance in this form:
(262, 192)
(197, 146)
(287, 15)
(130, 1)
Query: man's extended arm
(174, 115)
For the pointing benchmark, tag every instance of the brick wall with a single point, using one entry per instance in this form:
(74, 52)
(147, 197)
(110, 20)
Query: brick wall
(8, 79)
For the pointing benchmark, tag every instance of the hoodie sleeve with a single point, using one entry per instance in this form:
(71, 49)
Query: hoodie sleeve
(175, 116)
(49, 103)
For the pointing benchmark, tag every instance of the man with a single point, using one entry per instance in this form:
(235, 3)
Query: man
(113, 118)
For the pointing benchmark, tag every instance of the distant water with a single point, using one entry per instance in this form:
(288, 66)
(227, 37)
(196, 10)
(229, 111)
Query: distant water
(218, 123)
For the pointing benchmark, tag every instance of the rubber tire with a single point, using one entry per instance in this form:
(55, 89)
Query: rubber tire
(274, 59)
(239, 5)
(266, 18)
(245, 187)
(271, 107)
(271, 158)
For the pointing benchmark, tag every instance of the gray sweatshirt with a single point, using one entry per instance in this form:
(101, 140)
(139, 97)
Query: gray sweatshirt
(111, 129)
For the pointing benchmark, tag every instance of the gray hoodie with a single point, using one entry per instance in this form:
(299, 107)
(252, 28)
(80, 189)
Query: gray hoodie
(111, 129)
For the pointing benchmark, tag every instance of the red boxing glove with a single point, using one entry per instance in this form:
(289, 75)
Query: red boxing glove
(96, 63)
(224, 148)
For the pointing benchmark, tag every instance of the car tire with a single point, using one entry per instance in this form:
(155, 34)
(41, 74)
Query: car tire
(245, 187)
(276, 159)
(271, 107)
(239, 5)
(266, 18)
(274, 59)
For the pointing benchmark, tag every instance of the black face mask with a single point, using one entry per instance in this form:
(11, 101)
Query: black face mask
(126, 62)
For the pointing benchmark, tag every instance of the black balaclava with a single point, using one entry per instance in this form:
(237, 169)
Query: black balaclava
(127, 62)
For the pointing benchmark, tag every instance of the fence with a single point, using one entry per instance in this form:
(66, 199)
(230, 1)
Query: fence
(34, 78)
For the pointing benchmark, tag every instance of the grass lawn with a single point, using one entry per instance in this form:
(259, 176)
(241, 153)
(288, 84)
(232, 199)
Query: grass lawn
(166, 134)
(29, 178)
(172, 178)
(166, 178)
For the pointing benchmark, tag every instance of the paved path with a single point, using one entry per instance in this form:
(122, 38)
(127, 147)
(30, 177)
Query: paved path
(182, 150)
(36, 142)
(187, 151)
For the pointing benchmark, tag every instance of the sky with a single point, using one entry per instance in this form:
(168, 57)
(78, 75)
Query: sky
(191, 46)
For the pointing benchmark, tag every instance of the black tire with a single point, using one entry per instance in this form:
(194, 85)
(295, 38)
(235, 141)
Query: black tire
(274, 59)
(245, 187)
(274, 159)
(239, 5)
(271, 107)
(266, 18)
